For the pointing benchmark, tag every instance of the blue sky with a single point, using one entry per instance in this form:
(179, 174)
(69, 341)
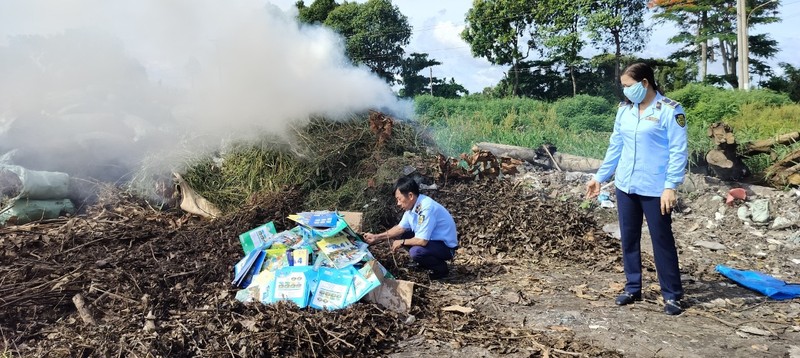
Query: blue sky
(437, 24)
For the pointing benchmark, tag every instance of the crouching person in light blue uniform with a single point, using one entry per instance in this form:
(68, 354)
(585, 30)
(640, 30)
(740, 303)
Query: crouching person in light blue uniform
(647, 155)
(427, 230)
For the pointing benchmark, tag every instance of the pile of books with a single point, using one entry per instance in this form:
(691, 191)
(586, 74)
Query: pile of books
(322, 262)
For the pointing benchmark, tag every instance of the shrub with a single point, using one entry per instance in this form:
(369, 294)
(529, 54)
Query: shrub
(585, 112)
(707, 104)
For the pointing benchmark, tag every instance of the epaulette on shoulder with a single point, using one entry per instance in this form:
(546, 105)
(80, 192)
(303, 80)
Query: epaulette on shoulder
(670, 102)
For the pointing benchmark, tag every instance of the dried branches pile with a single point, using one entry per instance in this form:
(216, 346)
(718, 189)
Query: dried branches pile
(502, 219)
(126, 279)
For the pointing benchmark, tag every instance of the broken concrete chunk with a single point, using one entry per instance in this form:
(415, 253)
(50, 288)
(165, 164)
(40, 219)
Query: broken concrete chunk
(710, 245)
(613, 230)
(781, 222)
(743, 213)
(754, 330)
(760, 210)
(794, 238)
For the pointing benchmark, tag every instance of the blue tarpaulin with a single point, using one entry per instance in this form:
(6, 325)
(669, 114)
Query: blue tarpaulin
(763, 283)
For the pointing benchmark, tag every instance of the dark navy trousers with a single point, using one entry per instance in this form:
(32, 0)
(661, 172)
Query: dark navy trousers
(631, 209)
(431, 256)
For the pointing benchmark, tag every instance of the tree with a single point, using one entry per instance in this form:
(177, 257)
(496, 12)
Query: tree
(317, 12)
(548, 79)
(618, 25)
(789, 83)
(673, 75)
(497, 30)
(713, 31)
(559, 27)
(413, 83)
(442, 88)
(375, 33)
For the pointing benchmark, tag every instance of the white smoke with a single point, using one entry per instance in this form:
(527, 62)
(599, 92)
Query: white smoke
(93, 86)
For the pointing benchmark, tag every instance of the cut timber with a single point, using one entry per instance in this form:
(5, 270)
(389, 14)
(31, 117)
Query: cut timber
(765, 145)
(785, 171)
(503, 150)
(566, 162)
(721, 134)
(574, 163)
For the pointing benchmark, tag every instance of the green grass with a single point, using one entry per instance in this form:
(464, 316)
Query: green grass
(576, 125)
(336, 166)
(339, 165)
(457, 124)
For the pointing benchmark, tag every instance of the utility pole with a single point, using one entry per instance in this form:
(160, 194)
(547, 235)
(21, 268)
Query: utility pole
(741, 44)
(743, 41)
(431, 79)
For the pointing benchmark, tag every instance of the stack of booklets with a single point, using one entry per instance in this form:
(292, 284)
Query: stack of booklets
(324, 224)
(277, 266)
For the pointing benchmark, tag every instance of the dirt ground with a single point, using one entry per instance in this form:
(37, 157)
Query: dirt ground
(538, 272)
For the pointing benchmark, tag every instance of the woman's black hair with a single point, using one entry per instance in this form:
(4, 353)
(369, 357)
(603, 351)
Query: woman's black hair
(641, 71)
(407, 184)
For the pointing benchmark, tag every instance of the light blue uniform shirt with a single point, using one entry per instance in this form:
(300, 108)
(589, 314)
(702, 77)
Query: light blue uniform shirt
(647, 153)
(430, 221)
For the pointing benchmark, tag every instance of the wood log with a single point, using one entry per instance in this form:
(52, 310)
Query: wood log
(512, 151)
(765, 145)
(566, 162)
(83, 311)
(575, 163)
(785, 171)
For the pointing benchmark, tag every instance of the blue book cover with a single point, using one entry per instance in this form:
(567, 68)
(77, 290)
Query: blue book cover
(248, 267)
(326, 220)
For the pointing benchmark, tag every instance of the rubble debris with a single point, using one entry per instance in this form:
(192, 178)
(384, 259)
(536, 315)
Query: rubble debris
(711, 245)
(735, 195)
(759, 210)
(481, 164)
(781, 222)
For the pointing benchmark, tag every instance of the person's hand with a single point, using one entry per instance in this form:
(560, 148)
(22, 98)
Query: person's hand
(370, 238)
(668, 201)
(592, 189)
(397, 244)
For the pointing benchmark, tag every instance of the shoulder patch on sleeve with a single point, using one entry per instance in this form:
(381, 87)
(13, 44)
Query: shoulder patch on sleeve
(681, 119)
(670, 102)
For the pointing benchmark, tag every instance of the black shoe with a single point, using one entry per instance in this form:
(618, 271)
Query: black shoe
(627, 298)
(437, 275)
(673, 307)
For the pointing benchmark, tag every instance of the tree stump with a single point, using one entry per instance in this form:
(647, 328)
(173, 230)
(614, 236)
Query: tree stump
(723, 160)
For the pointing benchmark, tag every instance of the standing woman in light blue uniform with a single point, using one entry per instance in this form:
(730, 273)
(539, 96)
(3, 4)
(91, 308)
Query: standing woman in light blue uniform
(647, 154)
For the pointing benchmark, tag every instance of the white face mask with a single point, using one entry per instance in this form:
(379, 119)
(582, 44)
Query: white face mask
(635, 93)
